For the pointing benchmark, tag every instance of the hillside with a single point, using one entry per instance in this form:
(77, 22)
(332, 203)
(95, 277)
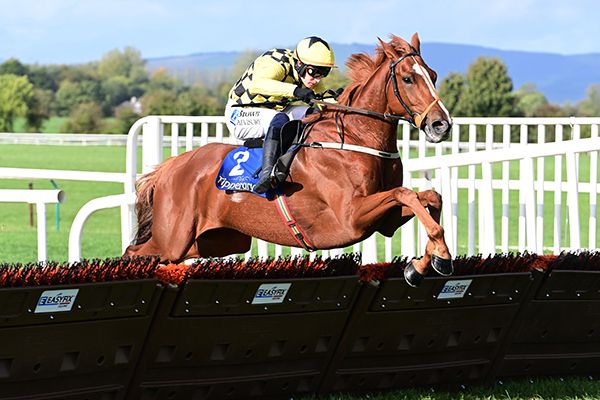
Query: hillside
(562, 78)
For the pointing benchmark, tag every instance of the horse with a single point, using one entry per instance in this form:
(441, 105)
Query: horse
(339, 195)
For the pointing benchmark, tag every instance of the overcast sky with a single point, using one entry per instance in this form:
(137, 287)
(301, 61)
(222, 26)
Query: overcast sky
(76, 31)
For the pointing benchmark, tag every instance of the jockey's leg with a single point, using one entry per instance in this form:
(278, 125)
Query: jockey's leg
(271, 150)
(282, 167)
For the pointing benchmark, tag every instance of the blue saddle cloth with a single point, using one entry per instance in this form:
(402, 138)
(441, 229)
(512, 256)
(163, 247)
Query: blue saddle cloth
(240, 171)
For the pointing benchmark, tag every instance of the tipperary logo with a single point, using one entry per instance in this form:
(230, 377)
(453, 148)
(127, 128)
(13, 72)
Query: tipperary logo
(224, 184)
(56, 301)
(271, 293)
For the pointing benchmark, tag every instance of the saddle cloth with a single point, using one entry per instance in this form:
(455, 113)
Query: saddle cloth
(240, 171)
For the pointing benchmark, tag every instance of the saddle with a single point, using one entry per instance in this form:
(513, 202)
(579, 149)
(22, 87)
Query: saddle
(241, 167)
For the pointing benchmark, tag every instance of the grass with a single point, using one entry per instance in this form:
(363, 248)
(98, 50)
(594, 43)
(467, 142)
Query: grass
(50, 125)
(571, 388)
(101, 235)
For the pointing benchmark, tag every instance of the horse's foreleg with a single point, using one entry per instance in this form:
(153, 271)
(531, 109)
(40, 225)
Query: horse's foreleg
(375, 206)
(436, 250)
(398, 216)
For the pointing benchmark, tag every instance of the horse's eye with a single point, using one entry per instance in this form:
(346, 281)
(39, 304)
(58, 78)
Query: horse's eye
(406, 79)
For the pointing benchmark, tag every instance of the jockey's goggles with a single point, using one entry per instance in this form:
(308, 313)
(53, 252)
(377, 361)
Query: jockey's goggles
(317, 72)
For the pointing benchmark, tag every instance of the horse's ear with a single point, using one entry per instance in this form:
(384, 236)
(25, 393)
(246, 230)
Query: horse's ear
(415, 42)
(388, 49)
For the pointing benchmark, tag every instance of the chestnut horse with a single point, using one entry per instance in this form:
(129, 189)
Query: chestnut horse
(338, 197)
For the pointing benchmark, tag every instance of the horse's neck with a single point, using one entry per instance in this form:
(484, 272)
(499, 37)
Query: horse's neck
(374, 132)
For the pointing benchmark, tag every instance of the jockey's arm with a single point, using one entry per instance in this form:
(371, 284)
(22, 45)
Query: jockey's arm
(268, 79)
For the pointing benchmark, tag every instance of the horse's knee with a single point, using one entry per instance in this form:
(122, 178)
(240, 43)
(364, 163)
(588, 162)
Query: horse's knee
(406, 196)
(431, 198)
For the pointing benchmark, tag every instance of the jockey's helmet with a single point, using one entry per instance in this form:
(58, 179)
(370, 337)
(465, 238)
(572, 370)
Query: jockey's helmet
(314, 51)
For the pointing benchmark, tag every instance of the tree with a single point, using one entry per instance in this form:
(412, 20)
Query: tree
(161, 80)
(39, 108)
(198, 101)
(529, 101)
(122, 69)
(127, 63)
(16, 93)
(14, 67)
(590, 106)
(115, 90)
(488, 92)
(125, 117)
(160, 102)
(45, 77)
(85, 118)
(452, 90)
(71, 93)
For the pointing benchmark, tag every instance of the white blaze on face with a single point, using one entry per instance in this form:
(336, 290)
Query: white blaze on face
(418, 68)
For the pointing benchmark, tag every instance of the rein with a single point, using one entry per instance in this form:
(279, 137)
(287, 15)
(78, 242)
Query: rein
(361, 111)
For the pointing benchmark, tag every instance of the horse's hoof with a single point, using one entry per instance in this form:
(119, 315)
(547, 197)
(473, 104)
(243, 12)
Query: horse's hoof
(412, 276)
(441, 265)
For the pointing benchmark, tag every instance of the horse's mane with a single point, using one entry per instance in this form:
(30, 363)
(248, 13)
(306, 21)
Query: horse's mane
(361, 66)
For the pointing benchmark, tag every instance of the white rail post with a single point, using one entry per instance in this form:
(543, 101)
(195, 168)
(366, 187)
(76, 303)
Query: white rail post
(408, 243)
(528, 190)
(369, 250)
(505, 191)
(152, 144)
(573, 201)
(593, 193)
(471, 193)
(447, 210)
(174, 139)
(522, 194)
(558, 194)
(453, 198)
(540, 191)
(487, 229)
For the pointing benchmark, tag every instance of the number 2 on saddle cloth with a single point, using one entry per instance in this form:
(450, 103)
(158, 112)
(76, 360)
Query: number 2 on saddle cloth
(240, 169)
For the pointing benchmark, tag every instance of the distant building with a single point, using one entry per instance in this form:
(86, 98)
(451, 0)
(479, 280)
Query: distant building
(134, 104)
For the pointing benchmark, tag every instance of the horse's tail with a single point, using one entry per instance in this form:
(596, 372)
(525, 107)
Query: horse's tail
(145, 202)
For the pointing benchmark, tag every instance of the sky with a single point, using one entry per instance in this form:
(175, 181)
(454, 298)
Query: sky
(80, 31)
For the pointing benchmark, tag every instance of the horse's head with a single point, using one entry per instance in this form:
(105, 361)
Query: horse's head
(410, 89)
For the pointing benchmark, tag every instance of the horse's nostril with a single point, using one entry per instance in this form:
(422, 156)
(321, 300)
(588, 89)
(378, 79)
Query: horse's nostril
(440, 126)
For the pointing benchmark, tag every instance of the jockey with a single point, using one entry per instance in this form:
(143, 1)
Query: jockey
(263, 91)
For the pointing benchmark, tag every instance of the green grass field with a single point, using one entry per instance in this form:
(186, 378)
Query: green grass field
(101, 236)
(569, 388)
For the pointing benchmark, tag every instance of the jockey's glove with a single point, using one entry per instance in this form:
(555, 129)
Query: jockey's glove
(304, 94)
(338, 92)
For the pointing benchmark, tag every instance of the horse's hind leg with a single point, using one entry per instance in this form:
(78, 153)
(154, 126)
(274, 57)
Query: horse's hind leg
(143, 249)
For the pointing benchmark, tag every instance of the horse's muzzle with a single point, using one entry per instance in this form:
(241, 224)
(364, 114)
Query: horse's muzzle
(438, 130)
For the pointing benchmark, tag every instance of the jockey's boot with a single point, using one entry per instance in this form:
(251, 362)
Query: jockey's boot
(270, 153)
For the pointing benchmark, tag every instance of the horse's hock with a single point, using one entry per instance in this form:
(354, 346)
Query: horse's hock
(291, 327)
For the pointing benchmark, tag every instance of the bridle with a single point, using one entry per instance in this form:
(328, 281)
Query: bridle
(415, 118)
